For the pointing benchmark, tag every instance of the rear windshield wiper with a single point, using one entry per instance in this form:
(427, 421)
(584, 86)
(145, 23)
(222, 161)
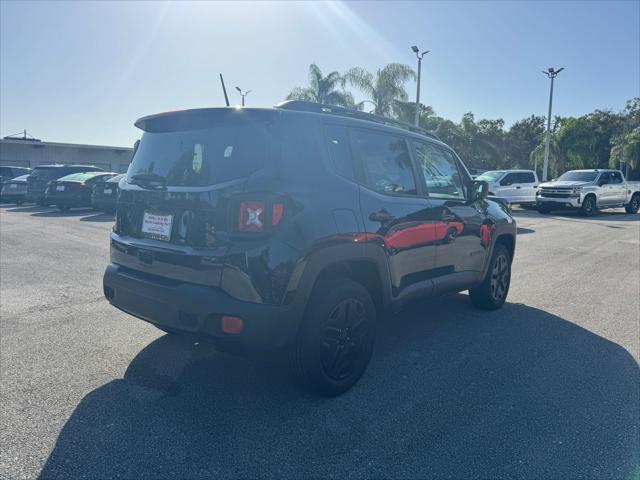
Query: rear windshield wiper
(148, 180)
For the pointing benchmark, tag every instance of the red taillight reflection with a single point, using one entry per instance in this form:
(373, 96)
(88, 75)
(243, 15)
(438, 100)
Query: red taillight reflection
(276, 213)
(251, 218)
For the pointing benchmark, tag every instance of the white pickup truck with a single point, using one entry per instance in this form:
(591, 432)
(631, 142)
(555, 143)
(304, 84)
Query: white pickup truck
(588, 191)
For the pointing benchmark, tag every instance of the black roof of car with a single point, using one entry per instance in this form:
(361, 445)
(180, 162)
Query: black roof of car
(186, 119)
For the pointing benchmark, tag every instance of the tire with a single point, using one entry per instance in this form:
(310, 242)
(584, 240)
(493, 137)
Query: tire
(492, 292)
(588, 207)
(634, 204)
(64, 209)
(18, 202)
(336, 338)
(544, 210)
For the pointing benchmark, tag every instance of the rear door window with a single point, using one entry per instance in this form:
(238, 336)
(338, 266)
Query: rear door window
(526, 177)
(385, 161)
(337, 140)
(616, 177)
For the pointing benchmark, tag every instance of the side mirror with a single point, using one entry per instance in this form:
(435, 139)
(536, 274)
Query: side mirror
(479, 190)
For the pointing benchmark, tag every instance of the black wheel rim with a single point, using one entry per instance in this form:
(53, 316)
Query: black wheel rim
(344, 339)
(635, 203)
(500, 277)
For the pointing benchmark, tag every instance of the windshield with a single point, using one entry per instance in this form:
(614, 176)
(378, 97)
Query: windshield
(490, 176)
(199, 157)
(578, 176)
(21, 178)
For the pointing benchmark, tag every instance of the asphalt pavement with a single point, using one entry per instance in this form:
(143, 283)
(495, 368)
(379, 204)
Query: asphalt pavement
(547, 387)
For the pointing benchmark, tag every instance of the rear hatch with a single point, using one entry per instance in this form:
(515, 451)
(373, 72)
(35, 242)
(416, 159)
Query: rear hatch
(178, 203)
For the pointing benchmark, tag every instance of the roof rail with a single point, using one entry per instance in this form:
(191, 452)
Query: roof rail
(304, 106)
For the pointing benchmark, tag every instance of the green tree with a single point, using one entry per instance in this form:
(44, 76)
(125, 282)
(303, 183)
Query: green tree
(323, 89)
(384, 88)
(522, 139)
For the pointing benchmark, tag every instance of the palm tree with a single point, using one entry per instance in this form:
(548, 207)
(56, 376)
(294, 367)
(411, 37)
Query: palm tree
(323, 89)
(384, 88)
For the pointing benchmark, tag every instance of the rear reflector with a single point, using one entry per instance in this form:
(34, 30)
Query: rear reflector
(232, 325)
(276, 213)
(251, 217)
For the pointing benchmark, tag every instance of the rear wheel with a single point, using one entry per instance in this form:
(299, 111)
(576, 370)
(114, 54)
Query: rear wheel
(492, 292)
(588, 206)
(634, 204)
(335, 341)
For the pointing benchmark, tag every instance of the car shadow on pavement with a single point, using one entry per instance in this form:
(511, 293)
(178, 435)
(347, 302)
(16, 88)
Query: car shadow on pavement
(523, 230)
(76, 212)
(451, 392)
(98, 217)
(26, 209)
(617, 215)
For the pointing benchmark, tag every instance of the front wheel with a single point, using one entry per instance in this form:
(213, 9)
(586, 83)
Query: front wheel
(335, 341)
(492, 292)
(588, 206)
(634, 204)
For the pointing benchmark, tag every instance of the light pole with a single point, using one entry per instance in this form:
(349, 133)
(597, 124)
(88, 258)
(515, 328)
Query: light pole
(243, 94)
(419, 55)
(551, 73)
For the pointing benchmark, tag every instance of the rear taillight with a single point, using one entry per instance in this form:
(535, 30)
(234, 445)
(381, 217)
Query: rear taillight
(251, 218)
(256, 216)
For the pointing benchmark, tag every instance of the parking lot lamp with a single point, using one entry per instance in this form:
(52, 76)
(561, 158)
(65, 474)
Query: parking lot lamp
(243, 94)
(419, 55)
(551, 73)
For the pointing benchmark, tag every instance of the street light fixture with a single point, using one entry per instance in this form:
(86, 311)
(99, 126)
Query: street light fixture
(243, 94)
(551, 73)
(419, 55)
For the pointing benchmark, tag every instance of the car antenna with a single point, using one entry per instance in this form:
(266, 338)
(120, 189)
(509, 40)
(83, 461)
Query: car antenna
(224, 90)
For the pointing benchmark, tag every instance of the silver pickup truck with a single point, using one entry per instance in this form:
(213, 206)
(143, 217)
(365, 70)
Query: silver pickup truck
(588, 191)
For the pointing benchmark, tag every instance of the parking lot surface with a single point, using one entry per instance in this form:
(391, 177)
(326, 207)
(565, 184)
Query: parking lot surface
(547, 387)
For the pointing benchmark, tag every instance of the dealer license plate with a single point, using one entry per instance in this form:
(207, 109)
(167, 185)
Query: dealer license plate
(157, 226)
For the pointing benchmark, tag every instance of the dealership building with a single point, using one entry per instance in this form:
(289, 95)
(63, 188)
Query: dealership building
(25, 151)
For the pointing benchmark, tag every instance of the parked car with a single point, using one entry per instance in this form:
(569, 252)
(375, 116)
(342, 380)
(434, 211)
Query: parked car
(74, 190)
(475, 172)
(8, 173)
(297, 226)
(105, 195)
(15, 190)
(588, 191)
(516, 186)
(38, 179)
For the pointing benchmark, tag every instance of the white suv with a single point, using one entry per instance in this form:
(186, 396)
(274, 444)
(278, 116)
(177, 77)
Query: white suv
(516, 186)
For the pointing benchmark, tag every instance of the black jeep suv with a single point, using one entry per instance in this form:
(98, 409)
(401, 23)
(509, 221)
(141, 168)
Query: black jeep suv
(297, 226)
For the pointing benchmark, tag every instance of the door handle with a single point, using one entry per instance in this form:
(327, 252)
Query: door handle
(382, 216)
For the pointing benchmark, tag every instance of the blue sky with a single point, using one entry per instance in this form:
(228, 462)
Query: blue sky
(84, 71)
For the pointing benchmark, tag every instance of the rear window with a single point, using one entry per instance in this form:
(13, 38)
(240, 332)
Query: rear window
(201, 157)
(115, 179)
(79, 177)
(46, 171)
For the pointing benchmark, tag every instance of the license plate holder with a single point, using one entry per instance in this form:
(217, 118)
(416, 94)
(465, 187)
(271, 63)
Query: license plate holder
(60, 188)
(107, 191)
(156, 225)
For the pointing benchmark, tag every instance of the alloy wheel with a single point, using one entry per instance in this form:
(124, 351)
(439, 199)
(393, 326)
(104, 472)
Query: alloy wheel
(344, 339)
(500, 278)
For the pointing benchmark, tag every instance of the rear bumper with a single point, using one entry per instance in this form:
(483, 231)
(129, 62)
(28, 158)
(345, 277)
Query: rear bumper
(10, 197)
(197, 310)
(67, 200)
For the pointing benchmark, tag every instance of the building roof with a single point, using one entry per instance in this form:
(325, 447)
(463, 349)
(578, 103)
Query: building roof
(20, 141)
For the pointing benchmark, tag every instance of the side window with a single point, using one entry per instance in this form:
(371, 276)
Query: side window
(526, 177)
(386, 162)
(605, 178)
(440, 171)
(339, 150)
(510, 179)
(616, 177)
